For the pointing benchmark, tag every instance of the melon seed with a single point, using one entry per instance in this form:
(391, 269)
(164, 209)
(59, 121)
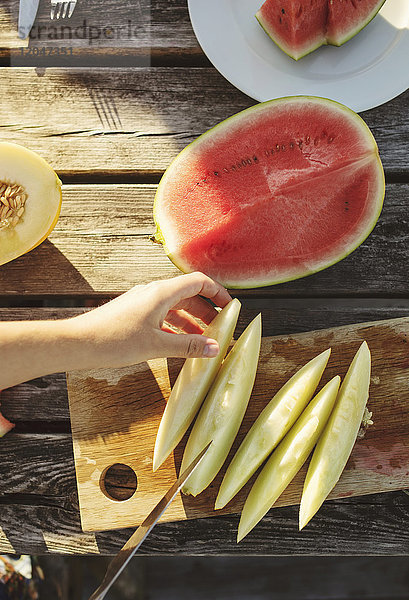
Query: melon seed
(12, 204)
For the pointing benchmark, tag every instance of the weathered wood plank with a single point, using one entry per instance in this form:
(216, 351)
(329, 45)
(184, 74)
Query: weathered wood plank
(101, 246)
(38, 465)
(136, 120)
(115, 417)
(45, 399)
(376, 526)
(39, 514)
(141, 27)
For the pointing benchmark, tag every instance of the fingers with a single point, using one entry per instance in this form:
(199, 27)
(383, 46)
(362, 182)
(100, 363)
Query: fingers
(182, 320)
(198, 307)
(188, 286)
(187, 346)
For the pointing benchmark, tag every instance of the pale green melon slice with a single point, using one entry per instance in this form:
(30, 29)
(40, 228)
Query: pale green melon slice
(192, 385)
(223, 409)
(337, 441)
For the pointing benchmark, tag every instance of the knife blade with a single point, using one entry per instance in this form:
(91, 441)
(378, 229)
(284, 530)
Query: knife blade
(26, 17)
(117, 565)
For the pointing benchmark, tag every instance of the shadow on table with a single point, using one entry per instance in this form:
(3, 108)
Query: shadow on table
(44, 268)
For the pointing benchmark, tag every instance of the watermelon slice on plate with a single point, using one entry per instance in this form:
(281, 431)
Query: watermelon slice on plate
(300, 26)
(279, 191)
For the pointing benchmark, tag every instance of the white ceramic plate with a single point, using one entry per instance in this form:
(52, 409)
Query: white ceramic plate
(367, 71)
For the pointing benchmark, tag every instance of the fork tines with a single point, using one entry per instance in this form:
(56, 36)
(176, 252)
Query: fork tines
(62, 10)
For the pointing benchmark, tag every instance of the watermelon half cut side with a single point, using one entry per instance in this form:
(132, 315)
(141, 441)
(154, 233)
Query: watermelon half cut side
(299, 27)
(276, 192)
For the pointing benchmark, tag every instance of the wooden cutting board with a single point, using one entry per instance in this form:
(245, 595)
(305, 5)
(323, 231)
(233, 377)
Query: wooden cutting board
(115, 416)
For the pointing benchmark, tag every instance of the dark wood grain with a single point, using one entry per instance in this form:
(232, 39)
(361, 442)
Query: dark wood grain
(45, 399)
(101, 246)
(130, 123)
(115, 416)
(136, 28)
(258, 578)
(39, 514)
(134, 121)
(373, 525)
(40, 466)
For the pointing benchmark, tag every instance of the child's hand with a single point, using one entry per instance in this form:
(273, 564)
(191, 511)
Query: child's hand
(135, 326)
(132, 328)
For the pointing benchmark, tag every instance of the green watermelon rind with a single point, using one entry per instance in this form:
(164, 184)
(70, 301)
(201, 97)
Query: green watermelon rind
(160, 236)
(327, 41)
(359, 28)
(286, 51)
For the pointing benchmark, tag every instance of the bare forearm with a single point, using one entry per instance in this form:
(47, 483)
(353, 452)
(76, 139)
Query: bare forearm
(129, 329)
(36, 348)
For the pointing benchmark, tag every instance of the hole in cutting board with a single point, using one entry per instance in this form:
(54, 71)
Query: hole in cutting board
(118, 482)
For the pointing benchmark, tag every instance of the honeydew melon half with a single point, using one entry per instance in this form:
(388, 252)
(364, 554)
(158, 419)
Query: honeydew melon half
(30, 200)
(276, 192)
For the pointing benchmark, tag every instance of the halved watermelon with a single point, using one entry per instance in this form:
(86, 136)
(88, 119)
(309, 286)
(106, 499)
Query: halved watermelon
(300, 26)
(281, 190)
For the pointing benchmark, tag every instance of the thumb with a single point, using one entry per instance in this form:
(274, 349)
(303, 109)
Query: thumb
(189, 346)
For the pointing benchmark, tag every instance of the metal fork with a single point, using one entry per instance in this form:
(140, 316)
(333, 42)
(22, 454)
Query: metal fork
(62, 9)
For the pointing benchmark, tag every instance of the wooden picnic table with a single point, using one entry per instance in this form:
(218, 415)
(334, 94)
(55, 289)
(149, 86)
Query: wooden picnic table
(109, 115)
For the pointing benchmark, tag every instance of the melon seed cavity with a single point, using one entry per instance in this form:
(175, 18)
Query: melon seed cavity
(12, 204)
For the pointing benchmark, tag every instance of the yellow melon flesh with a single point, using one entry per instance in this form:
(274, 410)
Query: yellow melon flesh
(30, 200)
(223, 410)
(288, 458)
(271, 426)
(192, 385)
(338, 438)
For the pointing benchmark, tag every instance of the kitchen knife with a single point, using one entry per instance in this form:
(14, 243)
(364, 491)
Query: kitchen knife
(117, 565)
(26, 17)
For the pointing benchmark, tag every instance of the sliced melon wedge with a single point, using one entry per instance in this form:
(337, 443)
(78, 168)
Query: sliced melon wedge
(192, 385)
(271, 426)
(288, 458)
(300, 27)
(223, 410)
(30, 200)
(339, 436)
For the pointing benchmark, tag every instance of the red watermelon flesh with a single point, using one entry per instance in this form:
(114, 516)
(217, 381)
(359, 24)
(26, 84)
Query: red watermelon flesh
(279, 191)
(346, 18)
(5, 426)
(300, 26)
(297, 27)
